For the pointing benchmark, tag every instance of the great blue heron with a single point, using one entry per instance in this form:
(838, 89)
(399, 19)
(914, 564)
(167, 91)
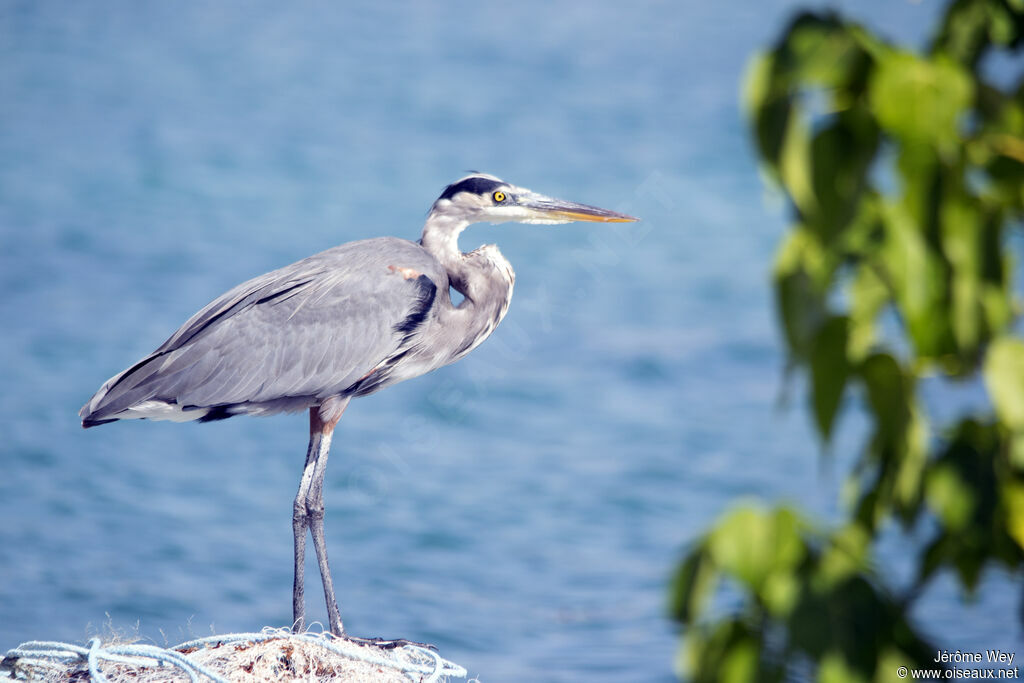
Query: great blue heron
(346, 322)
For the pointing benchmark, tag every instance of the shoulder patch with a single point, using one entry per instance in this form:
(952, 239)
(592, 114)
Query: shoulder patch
(426, 293)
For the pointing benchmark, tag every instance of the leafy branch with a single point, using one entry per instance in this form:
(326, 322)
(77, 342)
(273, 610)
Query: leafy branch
(905, 177)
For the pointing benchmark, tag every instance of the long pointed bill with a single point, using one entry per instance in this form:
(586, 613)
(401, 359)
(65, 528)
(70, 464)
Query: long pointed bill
(549, 210)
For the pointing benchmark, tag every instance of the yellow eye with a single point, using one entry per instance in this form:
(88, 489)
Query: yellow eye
(499, 196)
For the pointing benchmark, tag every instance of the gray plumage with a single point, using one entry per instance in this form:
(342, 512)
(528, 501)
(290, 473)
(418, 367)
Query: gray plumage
(334, 323)
(343, 323)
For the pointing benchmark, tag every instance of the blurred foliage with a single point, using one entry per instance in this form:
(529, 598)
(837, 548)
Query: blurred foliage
(809, 598)
(905, 174)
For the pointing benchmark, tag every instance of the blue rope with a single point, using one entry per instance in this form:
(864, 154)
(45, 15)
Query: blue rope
(52, 654)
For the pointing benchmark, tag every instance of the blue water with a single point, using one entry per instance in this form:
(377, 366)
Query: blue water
(521, 509)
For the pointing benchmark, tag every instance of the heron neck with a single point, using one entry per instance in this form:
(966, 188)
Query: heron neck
(441, 240)
(484, 278)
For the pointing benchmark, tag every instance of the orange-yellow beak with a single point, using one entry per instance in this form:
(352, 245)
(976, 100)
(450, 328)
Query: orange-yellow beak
(543, 209)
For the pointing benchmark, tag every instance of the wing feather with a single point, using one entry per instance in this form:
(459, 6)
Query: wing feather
(306, 331)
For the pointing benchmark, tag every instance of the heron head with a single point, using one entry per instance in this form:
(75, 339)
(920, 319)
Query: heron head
(479, 197)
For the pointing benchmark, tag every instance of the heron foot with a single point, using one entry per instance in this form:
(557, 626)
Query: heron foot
(387, 643)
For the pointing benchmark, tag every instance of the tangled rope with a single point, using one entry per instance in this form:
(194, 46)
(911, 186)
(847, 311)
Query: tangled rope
(416, 663)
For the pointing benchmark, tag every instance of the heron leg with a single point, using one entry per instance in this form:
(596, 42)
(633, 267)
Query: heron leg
(300, 523)
(308, 512)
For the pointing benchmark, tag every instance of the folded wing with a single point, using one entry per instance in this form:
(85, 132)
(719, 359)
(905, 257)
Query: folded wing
(284, 340)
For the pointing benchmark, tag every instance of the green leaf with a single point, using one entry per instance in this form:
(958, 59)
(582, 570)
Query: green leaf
(728, 652)
(919, 281)
(771, 122)
(920, 100)
(834, 669)
(964, 31)
(997, 302)
(829, 372)
(967, 489)
(751, 544)
(1004, 378)
(868, 296)
(821, 52)
(950, 497)
(843, 557)
(1001, 28)
(692, 586)
(800, 302)
(741, 663)
(841, 154)
(1013, 494)
(911, 463)
(758, 83)
(920, 168)
(888, 395)
(961, 228)
(795, 165)
(780, 592)
(1017, 451)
